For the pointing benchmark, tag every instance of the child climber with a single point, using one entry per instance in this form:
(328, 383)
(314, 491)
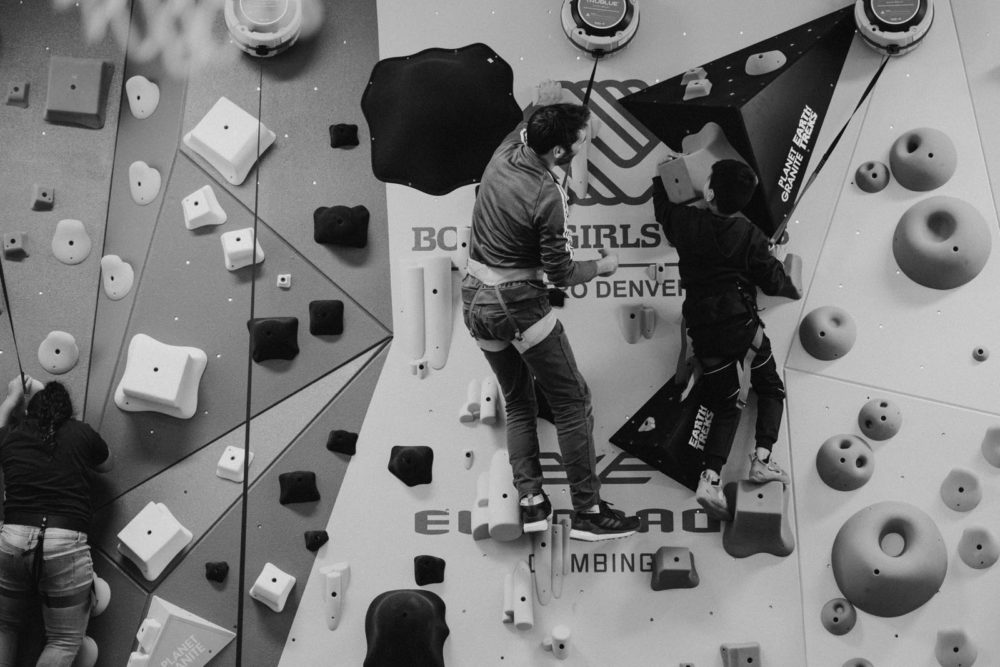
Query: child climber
(723, 259)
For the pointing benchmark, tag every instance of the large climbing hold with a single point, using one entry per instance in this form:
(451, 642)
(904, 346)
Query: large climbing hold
(58, 353)
(298, 486)
(954, 649)
(845, 462)
(941, 242)
(341, 226)
(161, 378)
(152, 539)
(404, 628)
(923, 159)
(229, 139)
(273, 338)
(760, 520)
(326, 317)
(170, 634)
(77, 91)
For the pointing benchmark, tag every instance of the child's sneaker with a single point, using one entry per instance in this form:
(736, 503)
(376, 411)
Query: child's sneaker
(709, 495)
(535, 518)
(605, 524)
(766, 471)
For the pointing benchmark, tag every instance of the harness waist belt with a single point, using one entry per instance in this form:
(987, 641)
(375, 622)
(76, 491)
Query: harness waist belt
(493, 276)
(52, 520)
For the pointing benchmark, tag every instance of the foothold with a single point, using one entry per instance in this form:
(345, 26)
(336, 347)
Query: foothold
(764, 63)
(273, 338)
(342, 442)
(838, 616)
(152, 539)
(230, 140)
(941, 242)
(923, 159)
(697, 88)
(647, 321)
(760, 520)
(143, 96)
(489, 401)
(272, 587)
(657, 272)
(419, 367)
(297, 487)
(315, 539)
(70, 242)
(216, 571)
(284, 281)
(880, 419)
(845, 462)
(43, 197)
(872, 176)
(100, 597)
(558, 642)
(161, 378)
(428, 570)
(693, 74)
(858, 662)
(990, 446)
(117, 277)
(469, 411)
(629, 322)
(17, 94)
(13, 245)
(343, 135)
(438, 309)
(980, 353)
(521, 599)
(202, 208)
(468, 458)
(955, 649)
(978, 548)
(77, 91)
(240, 248)
(336, 577)
(230, 465)
(740, 655)
(889, 558)
(406, 627)
(673, 567)
(961, 490)
(58, 353)
(326, 317)
(413, 465)
(503, 508)
(828, 333)
(341, 226)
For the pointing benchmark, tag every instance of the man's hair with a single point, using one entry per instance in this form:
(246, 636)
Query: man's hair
(733, 183)
(556, 125)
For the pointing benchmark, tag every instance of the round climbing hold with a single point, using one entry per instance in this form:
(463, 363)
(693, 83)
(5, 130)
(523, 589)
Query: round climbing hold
(872, 176)
(990, 446)
(923, 159)
(960, 490)
(858, 662)
(880, 419)
(889, 558)
(845, 462)
(100, 596)
(58, 353)
(978, 548)
(954, 648)
(828, 333)
(838, 616)
(86, 655)
(980, 353)
(941, 242)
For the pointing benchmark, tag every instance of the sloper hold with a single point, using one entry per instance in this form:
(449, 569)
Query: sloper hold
(412, 464)
(143, 96)
(954, 648)
(343, 135)
(216, 571)
(326, 317)
(273, 338)
(342, 442)
(315, 539)
(117, 277)
(71, 242)
(58, 352)
(341, 226)
(297, 487)
(77, 91)
(405, 628)
(428, 569)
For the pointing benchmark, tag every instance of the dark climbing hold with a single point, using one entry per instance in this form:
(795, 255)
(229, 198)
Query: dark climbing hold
(326, 317)
(342, 442)
(273, 338)
(298, 487)
(405, 628)
(217, 571)
(343, 135)
(315, 539)
(412, 464)
(340, 225)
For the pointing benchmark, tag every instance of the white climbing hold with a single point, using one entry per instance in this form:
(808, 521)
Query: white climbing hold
(117, 277)
(143, 182)
(58, 353)
(70, 243)
(143, 96)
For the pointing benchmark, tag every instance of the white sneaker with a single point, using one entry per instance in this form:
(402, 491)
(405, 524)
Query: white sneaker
(709, 495)
(762, 472)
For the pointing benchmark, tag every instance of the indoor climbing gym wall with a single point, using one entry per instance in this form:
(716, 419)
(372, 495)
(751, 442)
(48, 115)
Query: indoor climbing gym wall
(236, 231)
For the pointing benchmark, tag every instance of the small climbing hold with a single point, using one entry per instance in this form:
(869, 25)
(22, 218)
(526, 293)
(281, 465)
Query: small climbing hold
(954, 648)
(845, 462)
(216, 571)
(202, 208)
(758, 64)
(923, 159)
(315, 539)
(43, 197)
(412, 464)
(978, 547)
(143, 96)
(326, 317)
(58, 353)
(144, 182)
(980, 353)
(17, 94)
(872, 176)
(117, 277)
(828, 333)
(838, 616)
(342, 442)
(880, 419)
(428, 570)
(70, 242)
(13, 245)
(241, 248)
(297, 487)
(273, 338)
(961, 490)
(697, 88)
(343, 135)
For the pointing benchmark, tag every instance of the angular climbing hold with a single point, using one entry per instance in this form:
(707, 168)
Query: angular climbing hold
(231, 463)
(17, 94)
(284, 280)
(143, 96)
(740, 655)
(941, 242)
(13, 245)
(216, 571)
(77, 91)
(412, 464)
(342, 442)
(406, 627)
(343, 135)
(297, 487)
(315, 539)
(160, 378)
(880, 419)
(697, 88)
(272, 587)
(845, 462)
(872, 176)
(428, 569)
(70, 242)
(759, 64)
(923, 159)
(828, 333)
(58, 353)
(341, 226)
(152, 539)
(273, 338)
(229, 139)
(838, 616)
(170, 634)
(889, 558)
(240, 248)
(978, 548)
(961, 490)
(326, 317)
(673, 567)
(202, 208)
(117, 277)
(760, 520)
(954, 648)
(43, 197)
(693, 74)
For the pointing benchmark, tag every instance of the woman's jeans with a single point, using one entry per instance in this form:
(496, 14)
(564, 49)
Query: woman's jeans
(548, 363)
(63, 590)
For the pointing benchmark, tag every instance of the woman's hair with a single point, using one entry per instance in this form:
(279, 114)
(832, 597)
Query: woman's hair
(556, 125)
(51, 408)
